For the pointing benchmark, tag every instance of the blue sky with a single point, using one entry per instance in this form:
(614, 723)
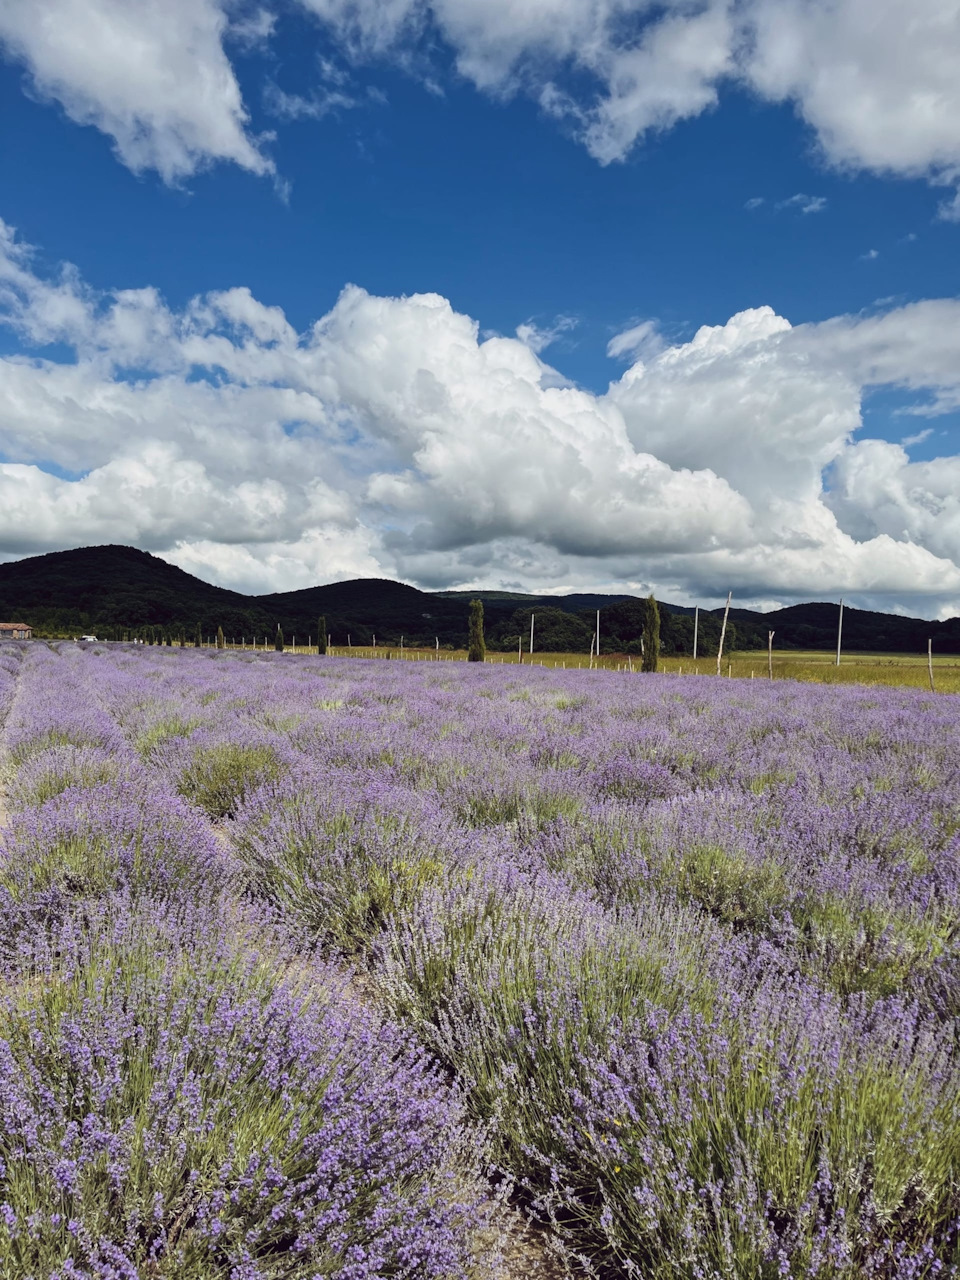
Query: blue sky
(186, 198)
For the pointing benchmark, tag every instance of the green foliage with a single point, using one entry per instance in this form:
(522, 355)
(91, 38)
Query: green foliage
(651, 634)
(278, 639)
(198, 637)
(322, 634)
(48, 738)
(218, 777)
(484, 980)
(221, 641)
(476, 649)
(482, 984)
(869, 949)
(735, 890)
(51, 776)
(491, 803)
(177, 1131)
(338, 878)
(557, 631)
(162, 730)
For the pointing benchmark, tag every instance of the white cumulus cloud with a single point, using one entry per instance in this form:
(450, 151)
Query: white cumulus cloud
(393, 438)
(154, 77)
(876, 80)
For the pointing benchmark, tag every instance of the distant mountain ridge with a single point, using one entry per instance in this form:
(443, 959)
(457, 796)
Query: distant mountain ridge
(117, 589)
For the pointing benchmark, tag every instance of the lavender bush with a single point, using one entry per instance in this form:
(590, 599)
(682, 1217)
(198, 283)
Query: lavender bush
(171, 1106)
(689, 947)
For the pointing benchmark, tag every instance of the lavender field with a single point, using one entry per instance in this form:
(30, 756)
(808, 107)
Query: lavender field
(308, 965)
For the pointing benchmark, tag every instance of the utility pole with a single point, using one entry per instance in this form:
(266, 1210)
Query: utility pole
(597, 646)
(770, 635)
(839, 630)
(532, 616)
(696, 629)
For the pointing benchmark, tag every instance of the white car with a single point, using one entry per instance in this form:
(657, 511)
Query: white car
(92, 638)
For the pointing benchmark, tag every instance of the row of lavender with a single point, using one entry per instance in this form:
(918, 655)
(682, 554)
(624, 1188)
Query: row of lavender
(690, 950)
(182, 1093)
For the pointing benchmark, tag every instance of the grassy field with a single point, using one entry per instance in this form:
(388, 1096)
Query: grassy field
(897, 669)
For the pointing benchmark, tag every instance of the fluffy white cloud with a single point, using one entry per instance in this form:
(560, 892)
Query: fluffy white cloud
(392, 439)
(876, 79)
(876, 489)
(653, 62)
(153, 77)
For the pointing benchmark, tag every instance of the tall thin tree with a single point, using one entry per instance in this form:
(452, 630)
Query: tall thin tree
(651, 635)
(322, 634)
(476, 647)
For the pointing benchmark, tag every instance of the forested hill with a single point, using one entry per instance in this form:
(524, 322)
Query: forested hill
(113, 590)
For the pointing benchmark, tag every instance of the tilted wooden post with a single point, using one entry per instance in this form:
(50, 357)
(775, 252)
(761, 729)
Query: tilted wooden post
(930, 664)
(723, 631)
(770, 635)
(839, 631)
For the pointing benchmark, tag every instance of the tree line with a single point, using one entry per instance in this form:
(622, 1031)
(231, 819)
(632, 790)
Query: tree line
(633, 627)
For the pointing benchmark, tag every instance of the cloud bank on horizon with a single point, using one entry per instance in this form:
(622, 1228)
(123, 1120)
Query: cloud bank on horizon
(392, 439)
(876, 80)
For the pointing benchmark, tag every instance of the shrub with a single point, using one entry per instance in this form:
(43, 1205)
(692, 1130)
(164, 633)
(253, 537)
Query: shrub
(173, 1108)
(336, 871)
(219, 775)
(90, 842)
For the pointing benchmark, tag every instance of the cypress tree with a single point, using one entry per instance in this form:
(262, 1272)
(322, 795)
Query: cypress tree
(221, 642)
(651, 635)
(198, 638)
(322, 634)
(476, 649)
(278, 640)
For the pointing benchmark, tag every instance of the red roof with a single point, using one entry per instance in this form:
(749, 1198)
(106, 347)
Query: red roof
(15, 626)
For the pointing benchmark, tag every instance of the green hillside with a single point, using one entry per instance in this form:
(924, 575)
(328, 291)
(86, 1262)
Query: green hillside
(116, 590)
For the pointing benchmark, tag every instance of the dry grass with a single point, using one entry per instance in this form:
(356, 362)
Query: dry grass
(899, 669)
